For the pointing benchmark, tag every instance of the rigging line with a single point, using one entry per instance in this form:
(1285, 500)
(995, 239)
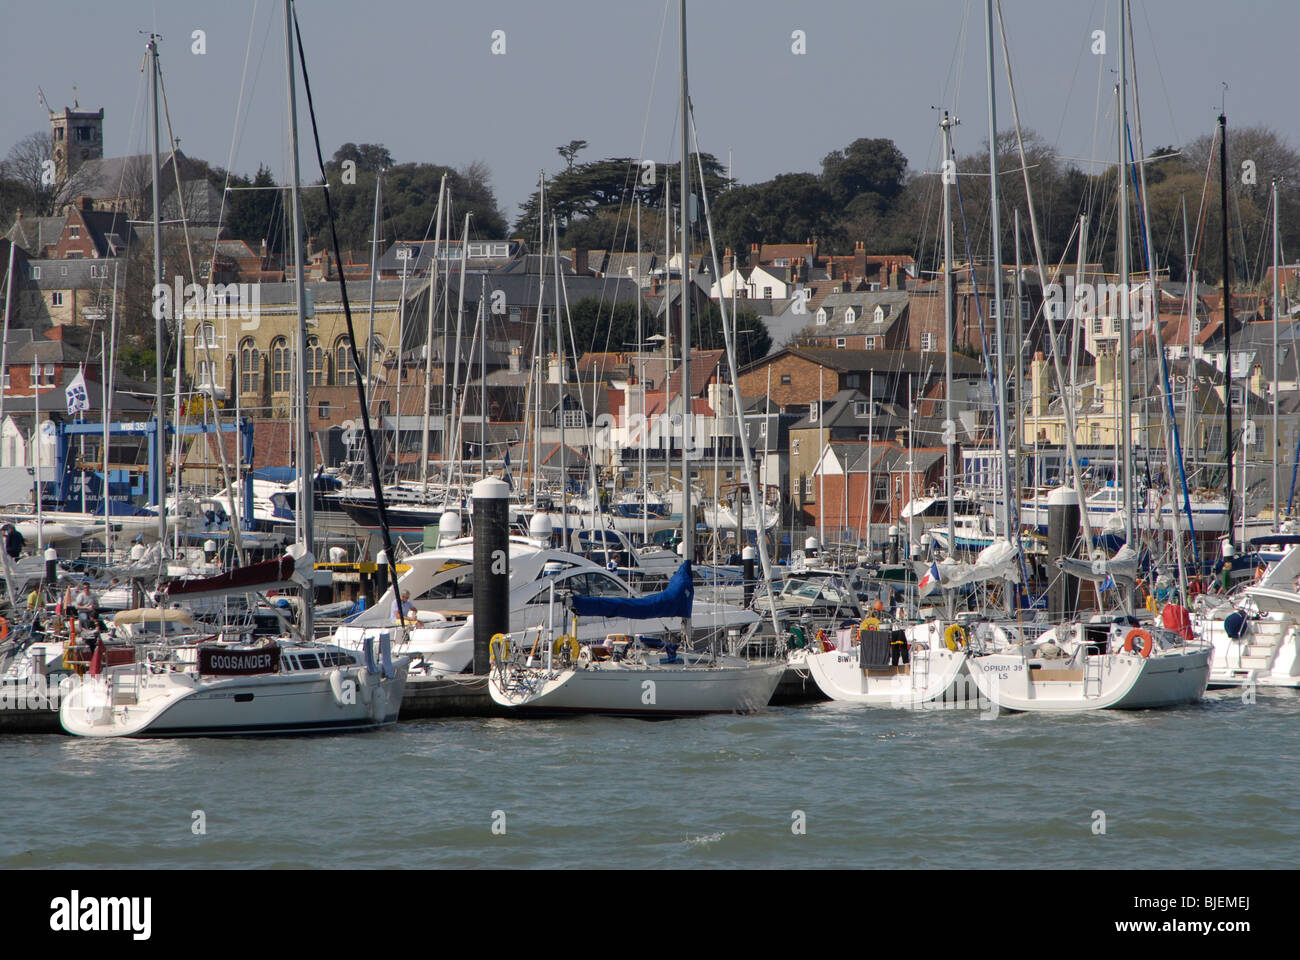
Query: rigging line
(234, 132)
(380, 505)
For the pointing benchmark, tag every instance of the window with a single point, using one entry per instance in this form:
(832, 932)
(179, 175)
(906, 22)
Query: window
(927, 341)
(205, 335)
(879, 315)
(1098, 326)
(993, 344)
(1094, 434)
(861, 408)
(56, 298)
(202, 374)
(1237, 395)
(96, 271)
(281, 366)
(574, 418)
(821, 316)
(767, 293)
(36, 273)
(74, 232)
(850, 316)
(317, 373)
(516, 315)
(785, 379)
(85, 134)
(814, 413)
(250, 367)
(7, 383)
(841, 342)
(344, 374)
(324, 411)
(869, 343)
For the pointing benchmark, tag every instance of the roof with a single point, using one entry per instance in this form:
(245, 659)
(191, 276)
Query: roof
(107, 178)
(33, 234)
(888, 361)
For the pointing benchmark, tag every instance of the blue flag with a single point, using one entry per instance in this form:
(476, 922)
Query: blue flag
(1107, 584)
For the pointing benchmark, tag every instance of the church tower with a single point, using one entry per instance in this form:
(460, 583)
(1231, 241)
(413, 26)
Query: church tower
(78, 137)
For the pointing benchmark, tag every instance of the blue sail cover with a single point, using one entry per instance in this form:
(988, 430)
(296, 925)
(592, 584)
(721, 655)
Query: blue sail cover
(675, 601)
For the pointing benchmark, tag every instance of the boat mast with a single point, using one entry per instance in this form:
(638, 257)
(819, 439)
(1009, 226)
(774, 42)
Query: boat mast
(428, 339)
(482, 380)
(1126, 325)
(949, 425)
(640, 379)
(303, 520)
(1227, 320)
(160, 464)
(1000, 401)
(1276, 519)
(559, 393)
(374, 269)
(688, 519)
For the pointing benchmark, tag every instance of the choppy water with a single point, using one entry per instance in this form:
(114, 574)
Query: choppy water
(1211, 785)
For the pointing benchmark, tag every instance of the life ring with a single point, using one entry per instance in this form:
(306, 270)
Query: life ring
(954, 636)
(797, 638)
(569, 641)
(4, 627)
(1135, 633)
(499, 647)
(871, 623)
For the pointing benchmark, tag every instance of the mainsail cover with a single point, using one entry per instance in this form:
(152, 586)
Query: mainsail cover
(1122, 566)
(268, 575)
(996, 561)
(674, 601)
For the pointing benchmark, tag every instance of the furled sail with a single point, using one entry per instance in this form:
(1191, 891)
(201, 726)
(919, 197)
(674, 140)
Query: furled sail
(674, 601)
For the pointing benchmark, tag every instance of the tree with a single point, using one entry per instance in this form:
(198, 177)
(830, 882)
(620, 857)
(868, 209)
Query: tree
(570, 152)
(256, 215)
(30, 167)
(791, 207)
(864, 166)
(370, 157)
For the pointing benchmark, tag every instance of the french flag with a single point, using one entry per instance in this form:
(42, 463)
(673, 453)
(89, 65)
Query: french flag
(929, 581)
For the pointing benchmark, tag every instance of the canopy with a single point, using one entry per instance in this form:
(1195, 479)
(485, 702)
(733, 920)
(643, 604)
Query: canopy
(674, 601)
(153, 615)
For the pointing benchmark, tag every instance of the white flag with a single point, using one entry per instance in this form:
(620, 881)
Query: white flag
(78, 399)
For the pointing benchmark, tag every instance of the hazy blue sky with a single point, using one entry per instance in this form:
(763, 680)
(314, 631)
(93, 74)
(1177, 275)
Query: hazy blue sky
(421, 77)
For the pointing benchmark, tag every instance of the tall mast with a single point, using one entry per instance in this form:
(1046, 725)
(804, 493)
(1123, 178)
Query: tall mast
(303, 519)
(1000, 380)
(160, 480)
(559, 392)
(374, 270)
(482, 380)
(668, 320)
(640, 379)
(1227, 320)
(428, 339)
(688, 519)
(1276, 305)
(949, 425)
(1125, 325)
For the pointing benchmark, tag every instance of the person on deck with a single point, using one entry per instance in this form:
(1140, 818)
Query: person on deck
(14, 541)
(402, 610)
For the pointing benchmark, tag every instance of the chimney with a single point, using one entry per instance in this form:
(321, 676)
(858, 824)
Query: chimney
(860, 259)
(514, 360)
(728, 262)
(755, 252)
(262, 252)
(895, 277)
(86, 203)
(654, 285)
(579, 259)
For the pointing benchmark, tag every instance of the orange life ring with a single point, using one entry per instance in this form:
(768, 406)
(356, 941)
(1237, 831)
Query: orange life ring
(1134, 634)
(4, 627)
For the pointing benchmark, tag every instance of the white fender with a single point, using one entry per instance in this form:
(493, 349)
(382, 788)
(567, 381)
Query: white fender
(363, 685)
(336, 685)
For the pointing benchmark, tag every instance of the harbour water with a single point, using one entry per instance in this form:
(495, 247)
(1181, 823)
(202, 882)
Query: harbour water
(1209, 785)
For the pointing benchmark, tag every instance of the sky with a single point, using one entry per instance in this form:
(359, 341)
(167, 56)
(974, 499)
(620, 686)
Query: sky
(775, 85)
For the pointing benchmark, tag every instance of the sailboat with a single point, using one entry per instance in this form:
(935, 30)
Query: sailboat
(638, 674)
(272, 687)
(1108, 661)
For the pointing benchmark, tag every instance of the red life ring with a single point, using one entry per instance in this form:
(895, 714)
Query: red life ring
(1134, 634)
(4, 628)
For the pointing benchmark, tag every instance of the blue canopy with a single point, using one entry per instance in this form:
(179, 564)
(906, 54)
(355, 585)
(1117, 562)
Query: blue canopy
(675, 601)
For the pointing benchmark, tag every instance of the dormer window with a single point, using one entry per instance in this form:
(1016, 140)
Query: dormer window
(850, 316)
(880, 314)
(821, 316)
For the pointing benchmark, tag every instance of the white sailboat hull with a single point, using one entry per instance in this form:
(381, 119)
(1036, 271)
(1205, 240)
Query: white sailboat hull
(642, 691)
(936, 674)
(182, 705)
(1124, 681)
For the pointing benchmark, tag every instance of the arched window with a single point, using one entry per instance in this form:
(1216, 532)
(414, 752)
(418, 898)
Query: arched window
(344, 375)
(203, 377)
(317, 375)
(250, 367)
(281, 366)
